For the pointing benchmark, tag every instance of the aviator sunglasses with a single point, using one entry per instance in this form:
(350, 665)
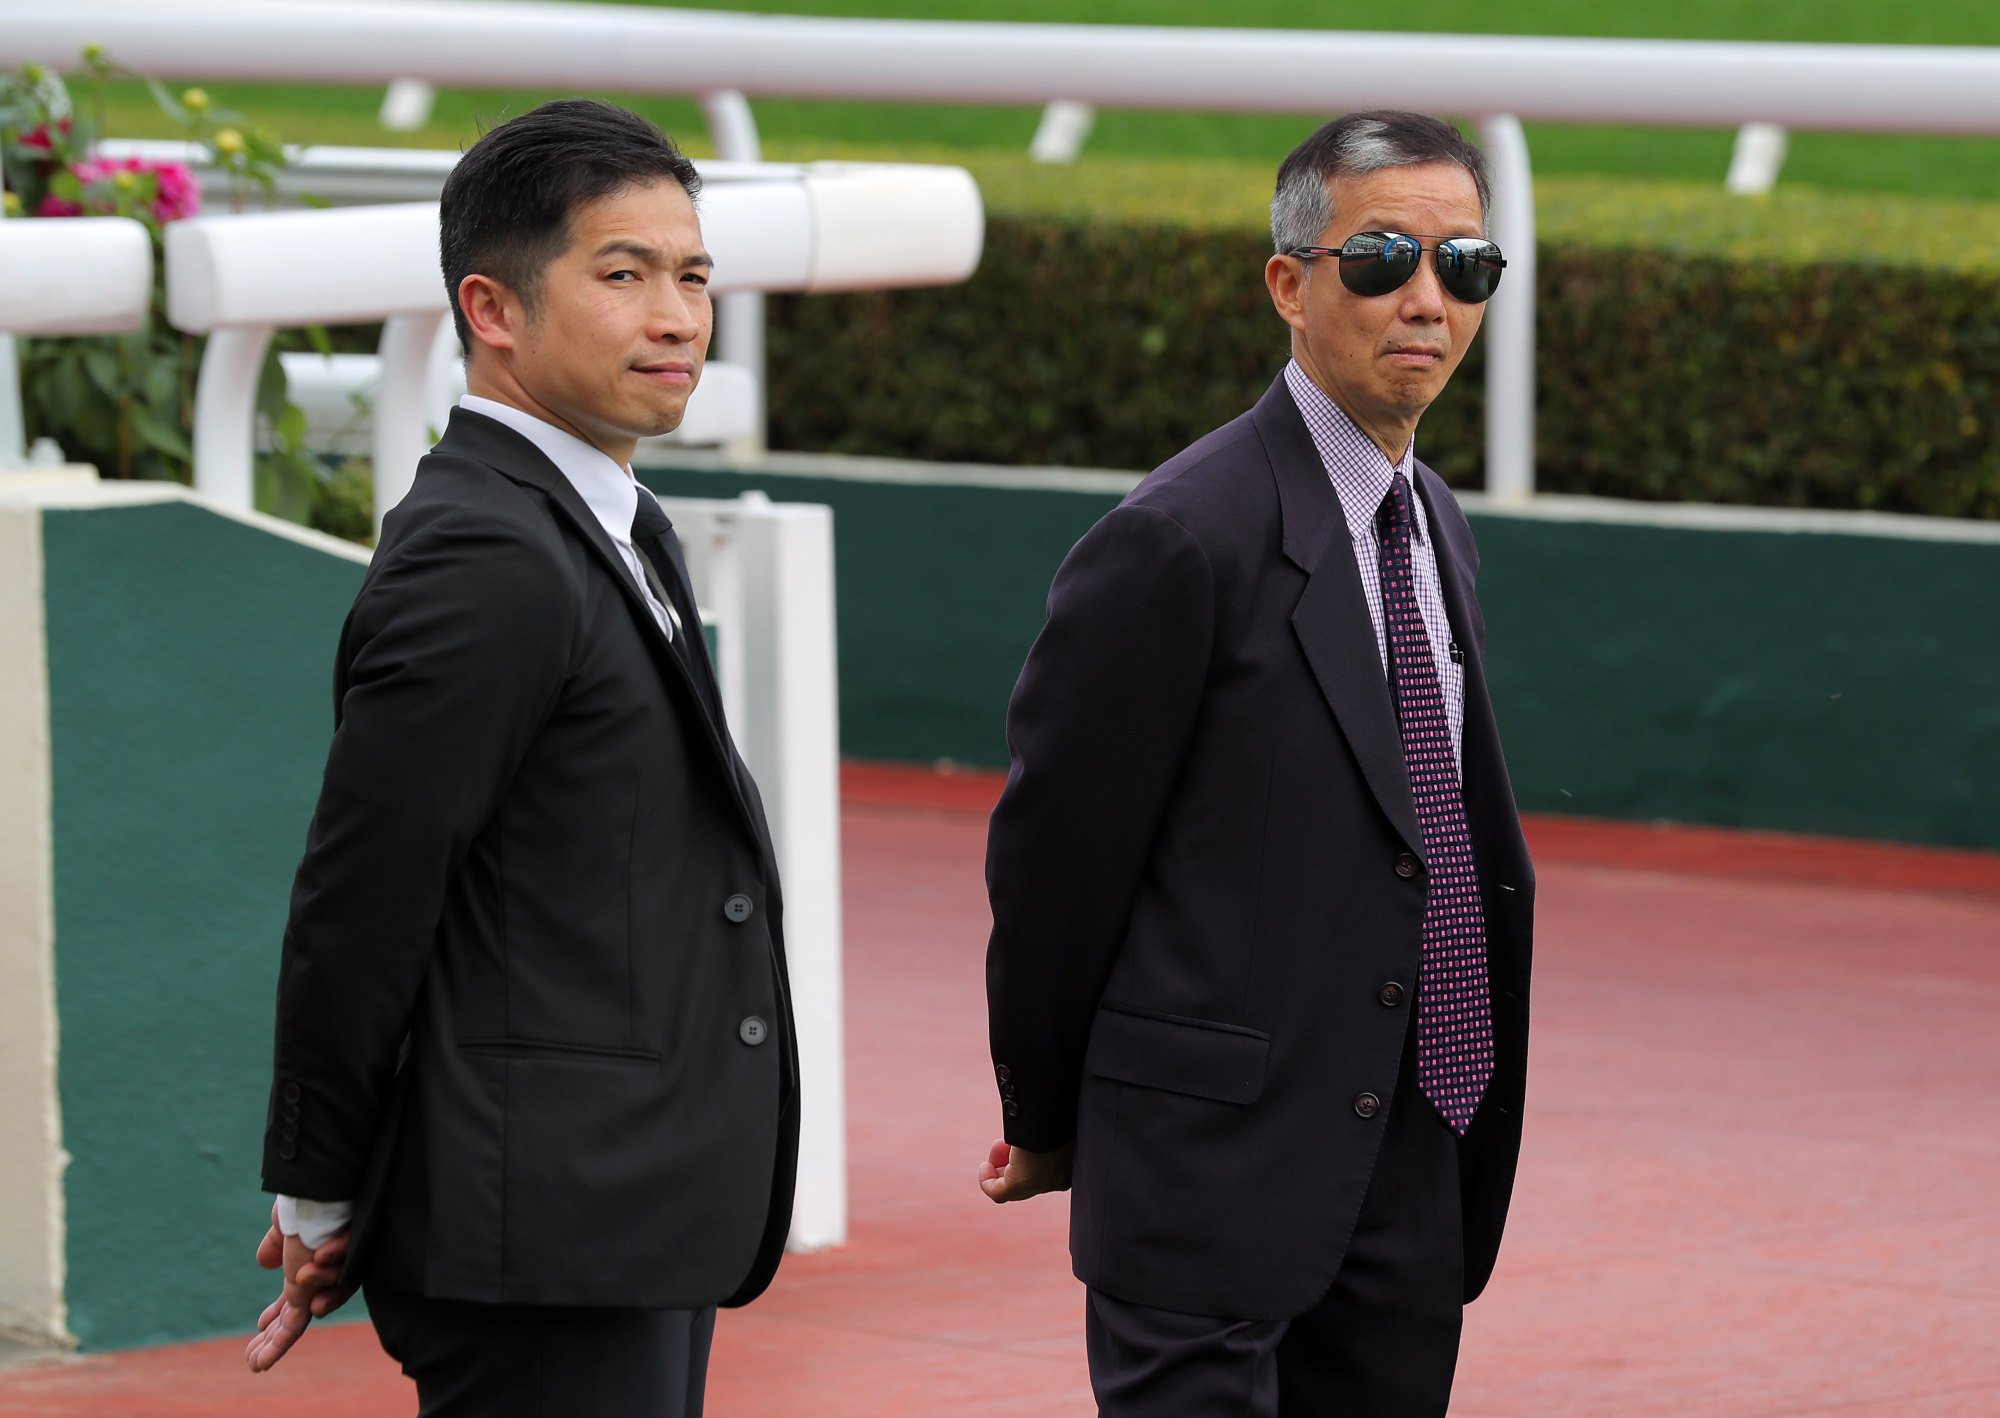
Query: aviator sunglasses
(1377, 262)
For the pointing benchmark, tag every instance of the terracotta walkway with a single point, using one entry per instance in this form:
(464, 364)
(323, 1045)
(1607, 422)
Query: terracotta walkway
(1762, 1173)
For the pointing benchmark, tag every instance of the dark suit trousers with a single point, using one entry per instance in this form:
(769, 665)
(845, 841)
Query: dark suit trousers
(545, 1361)
(1382, 1342)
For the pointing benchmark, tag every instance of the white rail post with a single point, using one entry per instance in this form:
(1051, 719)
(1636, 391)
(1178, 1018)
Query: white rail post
(791, 731)
(739, 318)
(405, 406)
(1510, 318)
(13, 425)
(225, 417)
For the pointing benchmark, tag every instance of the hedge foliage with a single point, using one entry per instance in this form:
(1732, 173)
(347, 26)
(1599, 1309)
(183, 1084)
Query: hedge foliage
(1661, 375)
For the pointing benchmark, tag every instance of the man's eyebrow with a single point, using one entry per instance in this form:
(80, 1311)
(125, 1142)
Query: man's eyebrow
(651, 255)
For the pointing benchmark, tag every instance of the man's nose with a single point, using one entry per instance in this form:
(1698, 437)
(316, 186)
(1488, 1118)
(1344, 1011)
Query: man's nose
(678, 312)
(1423, 294)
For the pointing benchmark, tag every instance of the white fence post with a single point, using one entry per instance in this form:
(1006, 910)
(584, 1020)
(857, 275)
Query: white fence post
(1510, 317)
(739, 318)
(763, 574)
(225, 419)
(406, 404)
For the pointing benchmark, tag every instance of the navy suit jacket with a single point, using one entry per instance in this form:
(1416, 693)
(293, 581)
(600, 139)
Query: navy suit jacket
(537, 905)
(1194, 875)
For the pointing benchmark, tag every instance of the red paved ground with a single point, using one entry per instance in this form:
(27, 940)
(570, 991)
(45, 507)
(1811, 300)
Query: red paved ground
(1760, 1179)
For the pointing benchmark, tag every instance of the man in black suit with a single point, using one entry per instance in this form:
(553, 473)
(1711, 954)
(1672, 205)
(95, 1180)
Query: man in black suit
(535, 1078)
(1258, 977)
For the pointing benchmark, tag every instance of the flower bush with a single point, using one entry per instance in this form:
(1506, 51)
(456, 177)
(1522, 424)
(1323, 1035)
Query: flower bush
(126, 402)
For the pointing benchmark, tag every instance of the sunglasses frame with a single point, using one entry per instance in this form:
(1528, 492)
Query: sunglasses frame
(1487, 257)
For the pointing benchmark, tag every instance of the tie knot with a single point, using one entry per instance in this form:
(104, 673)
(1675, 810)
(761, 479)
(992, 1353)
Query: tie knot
(649, 519)
(1395, 509)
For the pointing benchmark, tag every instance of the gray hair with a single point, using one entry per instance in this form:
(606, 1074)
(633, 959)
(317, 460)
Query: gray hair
(1361, 143)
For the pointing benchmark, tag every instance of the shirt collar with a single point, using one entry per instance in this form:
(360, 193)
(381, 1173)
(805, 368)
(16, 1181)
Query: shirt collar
(606, 487)
(1359, 471)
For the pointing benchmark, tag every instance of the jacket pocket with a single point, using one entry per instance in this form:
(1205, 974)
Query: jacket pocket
(547, 1049)
(1198, 1057)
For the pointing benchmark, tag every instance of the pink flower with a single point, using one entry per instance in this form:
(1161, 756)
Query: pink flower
(175, 193)
(38, 139)
(178, 195)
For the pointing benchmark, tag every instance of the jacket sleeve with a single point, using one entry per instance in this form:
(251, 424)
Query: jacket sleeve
(453, 656)
(1097, 728)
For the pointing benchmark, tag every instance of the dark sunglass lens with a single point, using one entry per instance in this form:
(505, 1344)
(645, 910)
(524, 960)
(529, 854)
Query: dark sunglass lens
(1469, 270)
(1375, 263)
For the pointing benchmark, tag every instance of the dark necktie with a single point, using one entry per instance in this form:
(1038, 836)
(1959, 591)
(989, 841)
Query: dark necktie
(660, 554)
(1454, 1000)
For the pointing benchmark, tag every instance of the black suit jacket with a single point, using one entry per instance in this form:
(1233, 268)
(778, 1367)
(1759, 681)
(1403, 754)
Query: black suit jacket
(1194, 879)
(518, 965)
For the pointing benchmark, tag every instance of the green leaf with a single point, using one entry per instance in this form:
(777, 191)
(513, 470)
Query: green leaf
(102, 367)
(160, 435)
(284, 487)
(292, 427)
(321, 341)
(271, 394)
(169, 105)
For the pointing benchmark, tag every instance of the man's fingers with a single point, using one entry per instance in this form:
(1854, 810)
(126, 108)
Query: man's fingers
(327, 1301)
(275, 1339)
(271, 1250)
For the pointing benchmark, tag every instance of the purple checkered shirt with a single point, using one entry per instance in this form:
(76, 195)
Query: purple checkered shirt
(1361, 477)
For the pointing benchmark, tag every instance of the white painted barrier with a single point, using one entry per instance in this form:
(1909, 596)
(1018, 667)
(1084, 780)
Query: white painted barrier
(237, 278)
(763, 573)
(41, 294)
(81, 276)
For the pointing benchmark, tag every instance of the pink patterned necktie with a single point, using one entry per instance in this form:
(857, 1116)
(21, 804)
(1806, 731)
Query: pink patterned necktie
(1454, 1004)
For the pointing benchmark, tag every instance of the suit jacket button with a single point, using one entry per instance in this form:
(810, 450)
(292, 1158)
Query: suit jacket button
(1011, 1108)
(1406, 866)
(291, 1112)
(1390, 994)
(290, 1092)
(1366, 1105)
(738, 908)
(289, 1132)
(753, 1031)
(1002, 1072)
(287, 1152)
(1006, 1090)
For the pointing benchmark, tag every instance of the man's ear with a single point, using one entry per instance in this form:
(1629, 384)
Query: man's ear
(1285, 278)
(493, 313)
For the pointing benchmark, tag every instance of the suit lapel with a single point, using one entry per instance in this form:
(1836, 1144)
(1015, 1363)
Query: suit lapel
(507, 452)
(1331, 618)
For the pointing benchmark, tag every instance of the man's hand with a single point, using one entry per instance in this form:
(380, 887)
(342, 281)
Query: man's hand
(1015, 1174)
(312, 1291)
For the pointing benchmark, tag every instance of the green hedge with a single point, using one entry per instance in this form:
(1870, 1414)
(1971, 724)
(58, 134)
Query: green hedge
(1661, 376)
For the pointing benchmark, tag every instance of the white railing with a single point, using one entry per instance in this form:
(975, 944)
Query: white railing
(239, 278)
(1498, 79)
(41, 293)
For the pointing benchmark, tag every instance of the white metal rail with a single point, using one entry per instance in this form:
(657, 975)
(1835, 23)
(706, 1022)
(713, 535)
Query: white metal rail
(721, 56)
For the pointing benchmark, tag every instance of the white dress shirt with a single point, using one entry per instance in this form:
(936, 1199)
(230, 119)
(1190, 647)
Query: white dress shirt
(1361, 475)
(611, 493)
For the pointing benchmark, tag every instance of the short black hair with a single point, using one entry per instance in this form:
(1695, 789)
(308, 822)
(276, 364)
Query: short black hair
(507, 206)
(1358, 143)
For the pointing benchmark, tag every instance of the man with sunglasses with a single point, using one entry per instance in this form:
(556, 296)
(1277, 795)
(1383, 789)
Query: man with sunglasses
(1262, 909)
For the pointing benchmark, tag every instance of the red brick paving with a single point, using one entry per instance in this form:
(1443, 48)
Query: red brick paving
(1760, 1177)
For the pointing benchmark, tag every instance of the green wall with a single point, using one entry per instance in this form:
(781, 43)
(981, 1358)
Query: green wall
(190, 674)
(1798, 681)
